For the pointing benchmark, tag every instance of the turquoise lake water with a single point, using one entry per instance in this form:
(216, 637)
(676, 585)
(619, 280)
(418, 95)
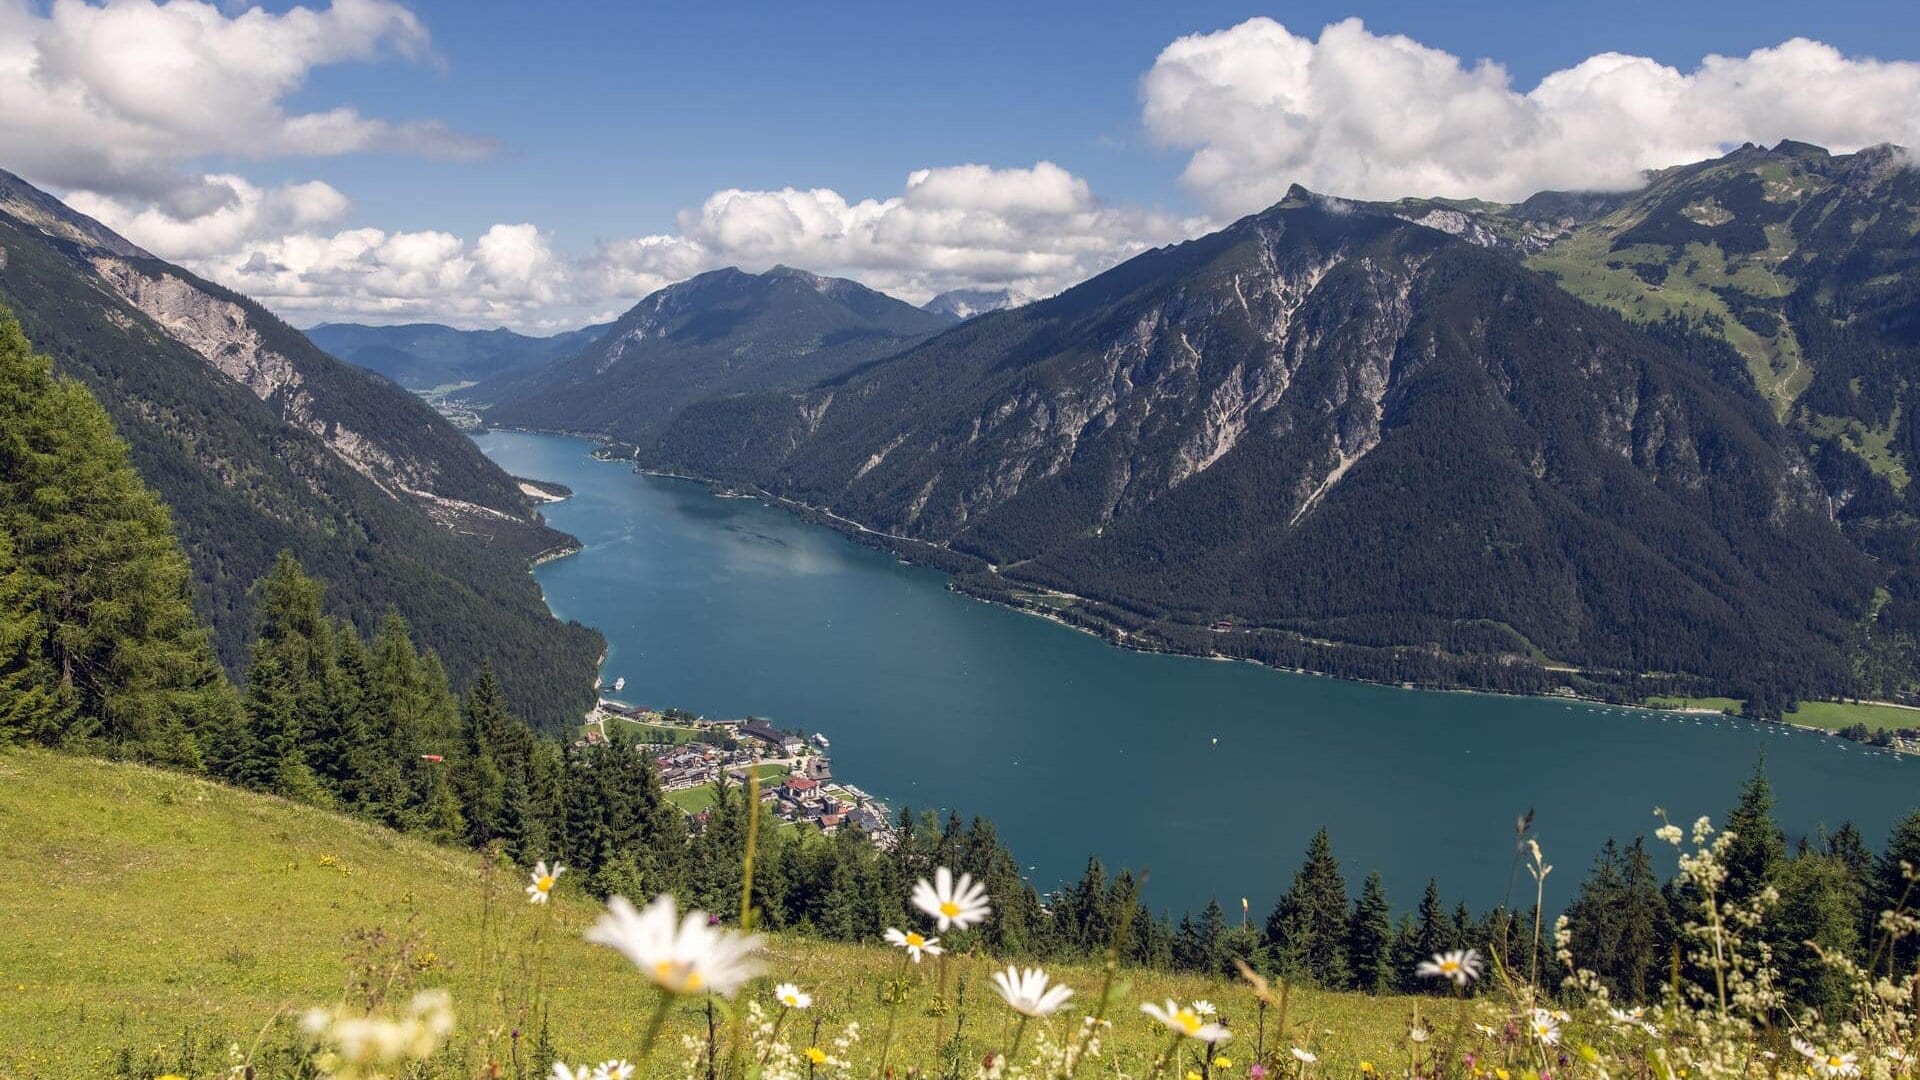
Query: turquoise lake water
(1211, 775)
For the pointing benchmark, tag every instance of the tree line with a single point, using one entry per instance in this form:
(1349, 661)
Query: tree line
(100, 652)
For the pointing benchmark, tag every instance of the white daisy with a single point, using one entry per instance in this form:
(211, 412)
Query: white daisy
(1204, 1007)
(1544, 1026)
(542, 883)
(691, 958)
(952, 905)
(1634, 1018)
(618, 1069)
(914, 943)
(792, 996)
(1419, 1035)
(1461, 966)
(564, 1071)
(1186, 1021)
(1304, 1056)
(1028, 993)
(1826, 1062)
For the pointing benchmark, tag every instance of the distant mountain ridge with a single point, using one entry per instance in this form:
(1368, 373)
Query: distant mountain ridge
(1342, 435)
(427, 356)
(721, 333)
(1805, 266)
(963, 304)
(258, 441)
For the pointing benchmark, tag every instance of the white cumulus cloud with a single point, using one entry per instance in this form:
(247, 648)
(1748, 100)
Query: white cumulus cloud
(1382, 116)
(115, 98)
(1035, 230)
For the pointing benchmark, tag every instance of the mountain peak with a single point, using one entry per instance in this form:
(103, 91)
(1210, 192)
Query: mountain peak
(963, 304)
(56, 218)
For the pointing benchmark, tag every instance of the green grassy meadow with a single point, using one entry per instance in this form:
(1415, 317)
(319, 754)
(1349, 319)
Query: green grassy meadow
(694, 800)
(146, 908)
(1834, 715)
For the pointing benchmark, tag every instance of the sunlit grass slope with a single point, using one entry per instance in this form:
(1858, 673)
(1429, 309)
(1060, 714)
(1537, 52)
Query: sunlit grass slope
(142, 905)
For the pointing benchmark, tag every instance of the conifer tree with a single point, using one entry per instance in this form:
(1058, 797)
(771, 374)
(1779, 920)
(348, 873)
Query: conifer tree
(1431, 935)
(1189, 948)
(392, 705)
(1308, 928)
(1758, 849)
(1894, 890)
(479, 777)
(1080, 912)
(1407, 955)
(1620, 924)
(1819, 912)
(1370, 938)
(1213, 939)
(118, 656)
(29, 705)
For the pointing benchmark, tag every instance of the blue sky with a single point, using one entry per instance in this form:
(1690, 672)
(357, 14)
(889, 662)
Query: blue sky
(613, 117)
(536, 165)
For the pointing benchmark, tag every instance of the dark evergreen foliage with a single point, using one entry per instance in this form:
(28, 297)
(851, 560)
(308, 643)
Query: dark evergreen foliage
(99, 643)
(246, 478)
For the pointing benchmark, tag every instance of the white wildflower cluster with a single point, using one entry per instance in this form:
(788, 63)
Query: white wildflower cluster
(679, 955)
(1189, 1021)
(1725, 1016)
(353, 1045)
(606, 1070)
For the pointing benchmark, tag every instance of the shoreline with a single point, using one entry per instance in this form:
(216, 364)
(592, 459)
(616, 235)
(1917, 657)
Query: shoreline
(907, 548)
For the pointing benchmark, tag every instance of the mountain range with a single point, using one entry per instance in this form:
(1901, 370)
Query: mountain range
(428, 356)
(1330, 426)
(1658, 439)
(258, 441)
(1613, 439)
(722, 333)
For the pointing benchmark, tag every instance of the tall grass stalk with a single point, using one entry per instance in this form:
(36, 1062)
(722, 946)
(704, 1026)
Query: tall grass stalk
(736, 1042)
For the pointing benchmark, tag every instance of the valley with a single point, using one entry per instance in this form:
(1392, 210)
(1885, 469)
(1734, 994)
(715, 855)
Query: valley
(727, 607)
(1015, 542)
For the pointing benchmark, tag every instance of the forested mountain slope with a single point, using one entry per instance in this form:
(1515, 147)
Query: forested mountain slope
(260, 442)
(1807, 265)
(426, 356)
(1328, 425)
(722, 333)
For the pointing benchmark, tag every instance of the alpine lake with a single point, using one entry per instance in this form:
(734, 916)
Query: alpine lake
(1210, 775)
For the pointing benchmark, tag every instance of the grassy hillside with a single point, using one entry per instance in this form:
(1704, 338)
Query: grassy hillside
(146, 909)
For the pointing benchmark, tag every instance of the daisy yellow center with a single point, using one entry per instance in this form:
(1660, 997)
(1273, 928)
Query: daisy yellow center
(950, 909)
(914, 941)
(1834, 1062)
(1188, 1020)
(545, 884)
(678, 977)
(790, 999)
(1449, 966)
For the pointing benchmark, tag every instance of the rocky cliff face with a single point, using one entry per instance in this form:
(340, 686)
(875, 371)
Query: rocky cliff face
(227, 332)
(1329, 420)
(260, 442)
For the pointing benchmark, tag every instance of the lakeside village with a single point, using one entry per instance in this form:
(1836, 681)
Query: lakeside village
(692, 753)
